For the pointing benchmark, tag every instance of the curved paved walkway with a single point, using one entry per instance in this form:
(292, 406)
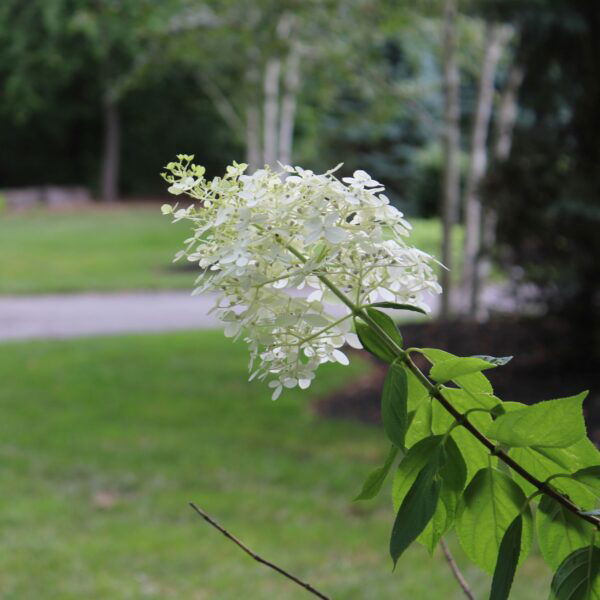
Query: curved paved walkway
(62, 316)
(73, 315)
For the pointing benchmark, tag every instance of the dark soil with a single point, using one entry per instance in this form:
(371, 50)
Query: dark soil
(550, 361)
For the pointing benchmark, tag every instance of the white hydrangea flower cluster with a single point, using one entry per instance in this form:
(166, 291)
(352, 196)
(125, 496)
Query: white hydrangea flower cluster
(260, 238)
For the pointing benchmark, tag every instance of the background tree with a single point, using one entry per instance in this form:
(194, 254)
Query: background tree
(122, 39)
(451, 144)
(547, 193)
(37, 57)
(496, 36)
(274, 50)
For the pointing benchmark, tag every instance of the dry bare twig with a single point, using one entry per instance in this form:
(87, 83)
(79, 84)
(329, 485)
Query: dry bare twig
(256, 557)
(456, 571)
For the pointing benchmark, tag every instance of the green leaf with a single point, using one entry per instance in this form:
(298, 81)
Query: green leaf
(394, 411)
(420, 427)
(372, 341)
(387, 324)
(542, 463)
(411, 465)
(491, 503)
(475, 383)
(416, 509)
(432, 418)
(590, 478)
(396, 306)
(580, 455)
(439, 420)
(559, 531)
(372, 486)
(553, 423)
(417, 392)
(454, 470)
(448, 370)
(453, 474)
(463, 401)
(475, 454)
(578, 577)
(505, 407)
(508, 559)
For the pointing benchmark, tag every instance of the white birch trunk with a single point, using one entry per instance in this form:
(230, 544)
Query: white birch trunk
(272, 95)
(291, 84)
(271, 111)
(496, 38)
(505, 122)
(451, 143)
(252, 139)
(252, 130)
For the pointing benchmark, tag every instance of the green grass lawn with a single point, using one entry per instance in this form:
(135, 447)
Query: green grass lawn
(108, 249)
(103, 442)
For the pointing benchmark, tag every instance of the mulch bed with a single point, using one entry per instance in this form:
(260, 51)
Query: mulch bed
(550, 361)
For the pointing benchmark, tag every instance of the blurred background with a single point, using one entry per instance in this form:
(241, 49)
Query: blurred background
(121, 402)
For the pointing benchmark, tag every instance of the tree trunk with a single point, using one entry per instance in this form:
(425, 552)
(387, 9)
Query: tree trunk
(253, 149)
(252, 133)
(507, 113)
(496, 38)
(271, 111)
(505, 122)
(109, 181)
(291, 83)
(451, 143)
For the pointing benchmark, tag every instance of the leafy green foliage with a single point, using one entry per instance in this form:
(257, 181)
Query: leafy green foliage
(537, 425)
(543, 463)
(431, 418)
(411, 465)
(491, 503)
(474, 383)
(492, 516)
(453, 476)
(559, 531)
(451, 471)
(416, 391)
(371, 339)
(416, 509)
(578, 577)
(396, 306)
(589, 479)
(474, 454)
(394, 404)
(508, 559)
(448, 370)
(373, 483)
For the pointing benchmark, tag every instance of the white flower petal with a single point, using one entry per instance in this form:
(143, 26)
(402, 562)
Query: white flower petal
(335, 235)
(340, 357)
(353, 341)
